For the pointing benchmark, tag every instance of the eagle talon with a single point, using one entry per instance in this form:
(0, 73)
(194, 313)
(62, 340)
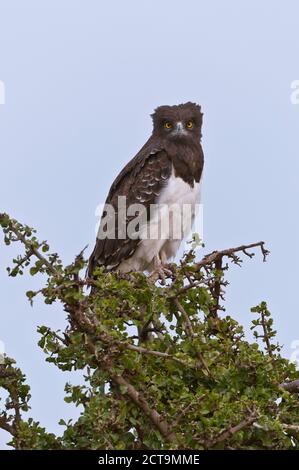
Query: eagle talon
(160, 272)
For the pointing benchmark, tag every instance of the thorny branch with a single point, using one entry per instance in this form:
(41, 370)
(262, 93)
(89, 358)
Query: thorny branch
(231, 253)
(214, 261)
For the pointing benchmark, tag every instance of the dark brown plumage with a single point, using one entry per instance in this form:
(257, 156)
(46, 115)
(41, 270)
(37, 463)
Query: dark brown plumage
(173, 154)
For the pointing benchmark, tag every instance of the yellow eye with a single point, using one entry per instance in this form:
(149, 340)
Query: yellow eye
(168, 125)
(189, 124)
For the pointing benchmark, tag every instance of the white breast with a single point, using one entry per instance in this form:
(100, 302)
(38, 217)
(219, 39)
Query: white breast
(178, 191)
(170, 222)
(180, 201)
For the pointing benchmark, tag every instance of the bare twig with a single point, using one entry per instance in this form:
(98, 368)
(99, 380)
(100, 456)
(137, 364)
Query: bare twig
(230, 252)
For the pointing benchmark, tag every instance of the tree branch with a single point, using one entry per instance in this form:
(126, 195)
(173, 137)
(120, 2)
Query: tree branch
(142, 350)
(266, 335)
(230, 252)
(162, 426)
(227, 433)
(291, 387)
(10, 378)
(291, 427)
(137, 397)
(29, 245)
(4, 424)
(187, 321)
(189, 331)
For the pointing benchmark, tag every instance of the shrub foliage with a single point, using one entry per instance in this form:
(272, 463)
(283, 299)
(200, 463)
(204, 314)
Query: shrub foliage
(163, 364)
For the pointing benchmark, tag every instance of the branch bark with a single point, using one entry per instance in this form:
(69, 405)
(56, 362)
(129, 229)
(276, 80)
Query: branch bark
(291, 387)
(162, 426)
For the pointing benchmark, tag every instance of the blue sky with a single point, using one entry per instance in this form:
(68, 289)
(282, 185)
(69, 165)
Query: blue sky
(81, 79)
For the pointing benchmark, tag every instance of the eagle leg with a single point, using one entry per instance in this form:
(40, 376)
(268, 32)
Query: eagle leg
(159, 271)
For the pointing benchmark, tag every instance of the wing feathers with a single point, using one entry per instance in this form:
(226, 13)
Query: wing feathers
(141, 181)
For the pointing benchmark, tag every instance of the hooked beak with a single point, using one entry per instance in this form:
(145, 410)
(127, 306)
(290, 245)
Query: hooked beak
(179, 130)
(179, 127)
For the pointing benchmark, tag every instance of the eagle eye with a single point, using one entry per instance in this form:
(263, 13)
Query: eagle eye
(167, 125)
(189, 124)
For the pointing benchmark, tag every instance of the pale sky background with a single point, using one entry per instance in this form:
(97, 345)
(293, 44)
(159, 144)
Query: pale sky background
(81, 79)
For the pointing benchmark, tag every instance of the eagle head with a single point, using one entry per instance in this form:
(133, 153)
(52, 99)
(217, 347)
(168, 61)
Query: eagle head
(182, 122)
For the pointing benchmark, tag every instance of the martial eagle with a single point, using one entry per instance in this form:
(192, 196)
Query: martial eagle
(166, 172)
